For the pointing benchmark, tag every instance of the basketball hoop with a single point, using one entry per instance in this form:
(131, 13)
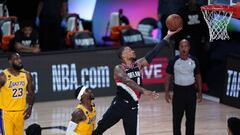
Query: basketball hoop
(217, 18)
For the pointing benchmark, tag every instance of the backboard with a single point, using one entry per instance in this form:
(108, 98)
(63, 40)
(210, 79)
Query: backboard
(224, 2)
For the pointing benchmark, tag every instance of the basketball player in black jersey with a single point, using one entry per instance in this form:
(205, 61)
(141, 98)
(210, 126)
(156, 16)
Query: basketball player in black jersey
(129, 89)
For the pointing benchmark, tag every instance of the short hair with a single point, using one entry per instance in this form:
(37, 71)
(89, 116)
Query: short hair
(185, 40)
(77, 91)
(26, 24)
(120, 50)
(234, 125)
(34, 129)
(120, 11)
(11, 55)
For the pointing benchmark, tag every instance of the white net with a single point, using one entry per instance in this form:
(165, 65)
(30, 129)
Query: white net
(217, 21)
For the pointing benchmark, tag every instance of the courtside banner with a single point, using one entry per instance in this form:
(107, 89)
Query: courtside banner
(231, 92)
(57, 75)
(155, 72)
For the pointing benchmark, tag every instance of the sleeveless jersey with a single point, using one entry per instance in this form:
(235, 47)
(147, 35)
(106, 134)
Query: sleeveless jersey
(0, 99)
(86, 127)
(124, 91)
(13, 93)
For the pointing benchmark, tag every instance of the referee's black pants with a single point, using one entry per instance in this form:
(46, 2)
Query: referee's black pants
(184, 101)
(120, 109)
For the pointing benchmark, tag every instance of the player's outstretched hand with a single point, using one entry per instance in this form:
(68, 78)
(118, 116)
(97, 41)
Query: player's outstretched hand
(168, 97)
(27, 113)
(170, 33)
(155, 95)
(147, 92)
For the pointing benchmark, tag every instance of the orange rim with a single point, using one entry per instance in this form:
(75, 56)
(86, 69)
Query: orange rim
(218, 8)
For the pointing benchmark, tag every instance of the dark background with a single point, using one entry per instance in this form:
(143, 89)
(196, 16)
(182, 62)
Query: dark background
(42, 64)
(233, 63)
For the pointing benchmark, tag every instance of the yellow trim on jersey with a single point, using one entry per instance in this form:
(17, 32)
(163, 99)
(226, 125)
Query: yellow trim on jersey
(87, 126)
(12, 122)
(13, 93)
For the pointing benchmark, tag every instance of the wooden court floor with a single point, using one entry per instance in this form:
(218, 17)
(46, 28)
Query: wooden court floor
(155, 116)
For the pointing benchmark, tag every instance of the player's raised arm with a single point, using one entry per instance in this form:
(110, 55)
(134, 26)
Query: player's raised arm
(77, 116)
(122, 76)
(147, 59)
(30, 96)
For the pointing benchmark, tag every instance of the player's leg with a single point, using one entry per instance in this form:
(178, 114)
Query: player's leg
(131, 121)
(178, 110)
(111, 117)
(190, 112)
(19, 123)
(7, 123)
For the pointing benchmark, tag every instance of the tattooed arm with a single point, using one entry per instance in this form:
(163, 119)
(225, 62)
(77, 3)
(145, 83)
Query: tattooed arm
(121, 75)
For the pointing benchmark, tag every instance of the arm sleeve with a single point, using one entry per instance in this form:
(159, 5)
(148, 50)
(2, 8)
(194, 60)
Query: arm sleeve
(70, 129)
(154, 52)
(170, 67)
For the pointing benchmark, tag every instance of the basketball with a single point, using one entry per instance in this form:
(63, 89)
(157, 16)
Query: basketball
(173, 22)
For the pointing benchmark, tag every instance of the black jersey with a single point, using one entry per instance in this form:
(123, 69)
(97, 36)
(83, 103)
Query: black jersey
(124, 91)
(22, 39)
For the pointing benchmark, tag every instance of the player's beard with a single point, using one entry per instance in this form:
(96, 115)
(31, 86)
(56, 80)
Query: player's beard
(92, 97)
(133, 58)
(17, 67)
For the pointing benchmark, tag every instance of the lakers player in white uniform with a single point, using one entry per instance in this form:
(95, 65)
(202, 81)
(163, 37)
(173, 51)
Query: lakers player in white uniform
(15, 83)
(83, 120)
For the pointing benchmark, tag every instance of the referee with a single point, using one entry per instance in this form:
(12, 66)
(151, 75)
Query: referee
(185, 71)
